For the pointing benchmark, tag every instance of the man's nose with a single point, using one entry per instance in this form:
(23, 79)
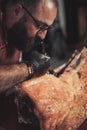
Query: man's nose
(42, 34)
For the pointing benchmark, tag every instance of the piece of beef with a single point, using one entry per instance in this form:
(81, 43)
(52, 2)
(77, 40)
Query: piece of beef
(60, 103)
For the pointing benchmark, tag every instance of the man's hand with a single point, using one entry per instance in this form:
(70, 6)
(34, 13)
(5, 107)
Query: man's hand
(38, 63)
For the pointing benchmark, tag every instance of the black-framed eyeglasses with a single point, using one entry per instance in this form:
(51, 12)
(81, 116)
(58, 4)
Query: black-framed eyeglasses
(40, 26)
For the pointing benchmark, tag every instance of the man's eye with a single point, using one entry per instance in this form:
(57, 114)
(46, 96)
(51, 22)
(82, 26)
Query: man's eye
(40, 24)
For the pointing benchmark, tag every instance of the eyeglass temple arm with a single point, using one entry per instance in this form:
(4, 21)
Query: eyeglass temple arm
(30, 15)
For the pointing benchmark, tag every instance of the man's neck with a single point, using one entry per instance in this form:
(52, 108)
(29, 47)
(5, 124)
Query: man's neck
(8, 53)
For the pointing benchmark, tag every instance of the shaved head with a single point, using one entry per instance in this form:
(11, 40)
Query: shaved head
(30, 4)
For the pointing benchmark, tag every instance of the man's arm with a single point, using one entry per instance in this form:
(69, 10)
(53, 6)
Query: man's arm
(36, 65)
(10, 75)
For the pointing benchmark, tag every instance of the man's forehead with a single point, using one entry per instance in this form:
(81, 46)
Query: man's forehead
(46, 12)
(48, 3)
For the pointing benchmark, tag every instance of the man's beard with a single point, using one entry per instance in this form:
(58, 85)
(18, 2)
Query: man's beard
(18, 36)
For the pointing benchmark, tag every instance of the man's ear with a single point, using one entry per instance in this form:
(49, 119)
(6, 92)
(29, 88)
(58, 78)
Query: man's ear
(18, 9)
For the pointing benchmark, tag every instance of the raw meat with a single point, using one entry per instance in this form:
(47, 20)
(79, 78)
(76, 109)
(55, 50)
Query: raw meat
(60, 103)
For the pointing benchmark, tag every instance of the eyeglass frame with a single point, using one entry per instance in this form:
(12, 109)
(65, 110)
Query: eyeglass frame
(42, 27)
